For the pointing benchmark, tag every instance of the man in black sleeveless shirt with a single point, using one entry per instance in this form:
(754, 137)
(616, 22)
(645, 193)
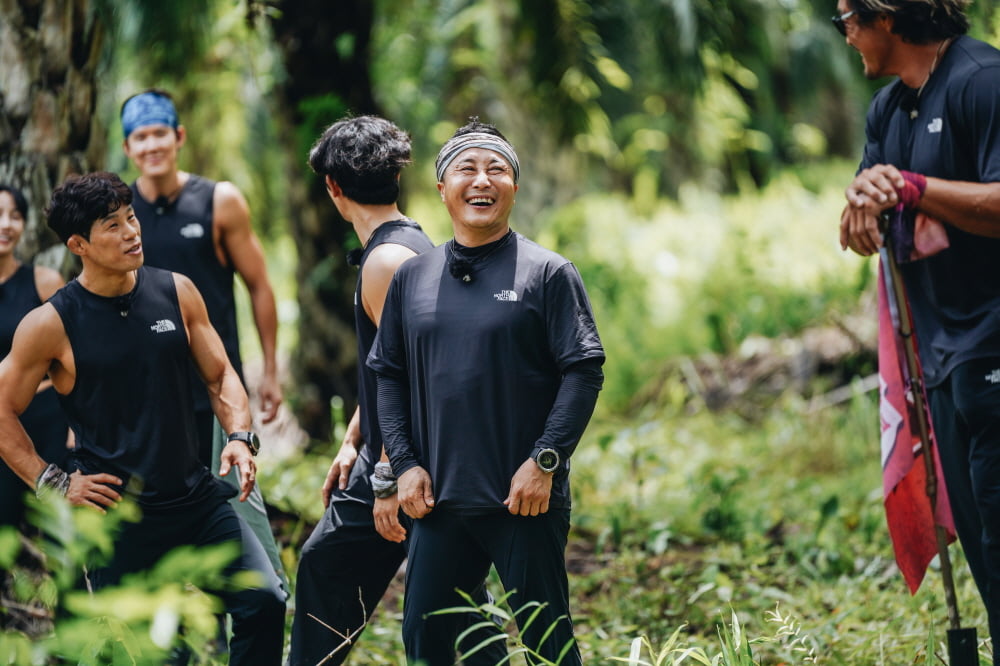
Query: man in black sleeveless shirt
(932, 157)
(358, 546)
(201, 229)
(116, 343)
(489, 367)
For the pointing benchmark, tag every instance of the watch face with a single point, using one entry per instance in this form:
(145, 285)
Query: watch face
(547, 460)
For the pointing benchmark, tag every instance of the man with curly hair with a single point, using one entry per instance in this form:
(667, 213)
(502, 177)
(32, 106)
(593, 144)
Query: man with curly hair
(932, 156)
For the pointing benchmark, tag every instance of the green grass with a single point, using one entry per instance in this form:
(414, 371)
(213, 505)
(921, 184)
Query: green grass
(685, 519)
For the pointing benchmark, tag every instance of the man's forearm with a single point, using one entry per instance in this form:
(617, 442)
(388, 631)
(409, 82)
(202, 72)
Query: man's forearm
(230, 403)
(18, 452)
(394, 421)
(972, 207)
(265, 315)
(573, 407)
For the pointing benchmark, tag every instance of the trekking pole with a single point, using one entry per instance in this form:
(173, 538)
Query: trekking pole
(962, 643)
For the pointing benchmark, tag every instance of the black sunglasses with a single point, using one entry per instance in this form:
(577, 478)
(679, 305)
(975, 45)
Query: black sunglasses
(839, 22)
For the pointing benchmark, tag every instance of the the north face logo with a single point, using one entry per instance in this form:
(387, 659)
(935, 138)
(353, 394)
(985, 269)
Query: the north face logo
(506, 295)
(193, 230)
(163, 326)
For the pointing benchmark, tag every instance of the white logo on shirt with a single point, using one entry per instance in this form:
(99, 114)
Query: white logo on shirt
(163, 326)
(993, 377)
(935, 126)
(506, 295)
(193, 230)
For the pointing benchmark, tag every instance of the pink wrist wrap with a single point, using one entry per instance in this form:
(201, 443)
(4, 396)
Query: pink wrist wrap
(912, 190)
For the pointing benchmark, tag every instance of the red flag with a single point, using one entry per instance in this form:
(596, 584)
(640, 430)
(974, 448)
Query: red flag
(904, 472)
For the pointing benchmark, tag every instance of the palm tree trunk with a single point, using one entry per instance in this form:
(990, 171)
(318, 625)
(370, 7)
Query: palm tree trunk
(49, 55)
(325, 49)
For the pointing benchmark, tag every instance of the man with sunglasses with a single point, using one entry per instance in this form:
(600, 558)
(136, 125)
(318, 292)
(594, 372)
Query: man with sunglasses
(932, 156)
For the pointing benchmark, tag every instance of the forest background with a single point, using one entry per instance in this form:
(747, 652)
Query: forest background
(689, 156)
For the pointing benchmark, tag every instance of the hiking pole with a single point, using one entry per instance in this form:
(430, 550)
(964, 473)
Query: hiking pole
(962, 643)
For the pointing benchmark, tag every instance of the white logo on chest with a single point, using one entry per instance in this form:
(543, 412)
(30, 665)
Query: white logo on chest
(506, 295)
(193, 230)
(935, 126)
(163, 326)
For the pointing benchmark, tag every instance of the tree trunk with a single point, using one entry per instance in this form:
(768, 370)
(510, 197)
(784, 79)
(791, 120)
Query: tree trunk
(325, 49)
(49, 55)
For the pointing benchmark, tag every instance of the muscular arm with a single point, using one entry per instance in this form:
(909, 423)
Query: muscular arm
(225, 390)
(47, 282)
(238, 244)
(378, 270)
(36, 346)
(40, 346)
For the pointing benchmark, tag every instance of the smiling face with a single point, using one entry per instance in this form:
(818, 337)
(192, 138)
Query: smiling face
(872, 39)
(153, 149)
(478, 190)
(115, 242)
(11, 224)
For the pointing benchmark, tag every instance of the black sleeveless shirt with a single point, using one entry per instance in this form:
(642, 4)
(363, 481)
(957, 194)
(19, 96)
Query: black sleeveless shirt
(400, 232)
(178, 237)
(43, 419)
(131, 406)
(18, 297)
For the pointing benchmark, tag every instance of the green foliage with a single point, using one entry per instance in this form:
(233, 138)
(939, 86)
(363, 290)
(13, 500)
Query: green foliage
(707, 272)
(139, 622)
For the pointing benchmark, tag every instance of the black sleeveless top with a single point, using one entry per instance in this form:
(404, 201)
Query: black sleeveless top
(400, 232)
(178, 237)
(18, 297)
(131, 406)
(43, 420)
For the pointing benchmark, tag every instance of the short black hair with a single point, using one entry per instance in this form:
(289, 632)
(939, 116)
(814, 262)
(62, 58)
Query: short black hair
(364, 156)
(918, 21)
(475, 126)
(20, 202)
(80, 201)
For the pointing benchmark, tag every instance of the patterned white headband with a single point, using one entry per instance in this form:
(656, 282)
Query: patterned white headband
(457, 144)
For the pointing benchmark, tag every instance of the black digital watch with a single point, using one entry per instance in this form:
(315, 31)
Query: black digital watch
(249, 437)
(547, 459)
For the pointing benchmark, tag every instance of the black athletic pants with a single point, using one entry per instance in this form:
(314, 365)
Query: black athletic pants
(346, 563)
(452, 550)
(965, 411)
(258, 614)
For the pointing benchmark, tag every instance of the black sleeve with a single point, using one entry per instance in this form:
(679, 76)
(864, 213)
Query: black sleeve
(572, 409)
(394, 420)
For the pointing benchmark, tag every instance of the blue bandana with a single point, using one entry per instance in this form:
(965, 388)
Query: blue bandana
(148, 108)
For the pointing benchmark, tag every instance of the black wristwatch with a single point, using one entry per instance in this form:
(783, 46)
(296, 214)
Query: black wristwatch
(251, 439)
(547, 459)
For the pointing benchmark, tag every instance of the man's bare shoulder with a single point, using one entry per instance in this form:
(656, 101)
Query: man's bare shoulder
(386, 258)
(40, 329)
(228, 200)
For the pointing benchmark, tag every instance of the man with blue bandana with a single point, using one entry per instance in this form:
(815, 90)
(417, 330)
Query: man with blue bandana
(489, 366)
(201, 228)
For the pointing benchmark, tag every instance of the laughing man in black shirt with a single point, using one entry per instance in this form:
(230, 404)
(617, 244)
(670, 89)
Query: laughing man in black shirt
(489, 367)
